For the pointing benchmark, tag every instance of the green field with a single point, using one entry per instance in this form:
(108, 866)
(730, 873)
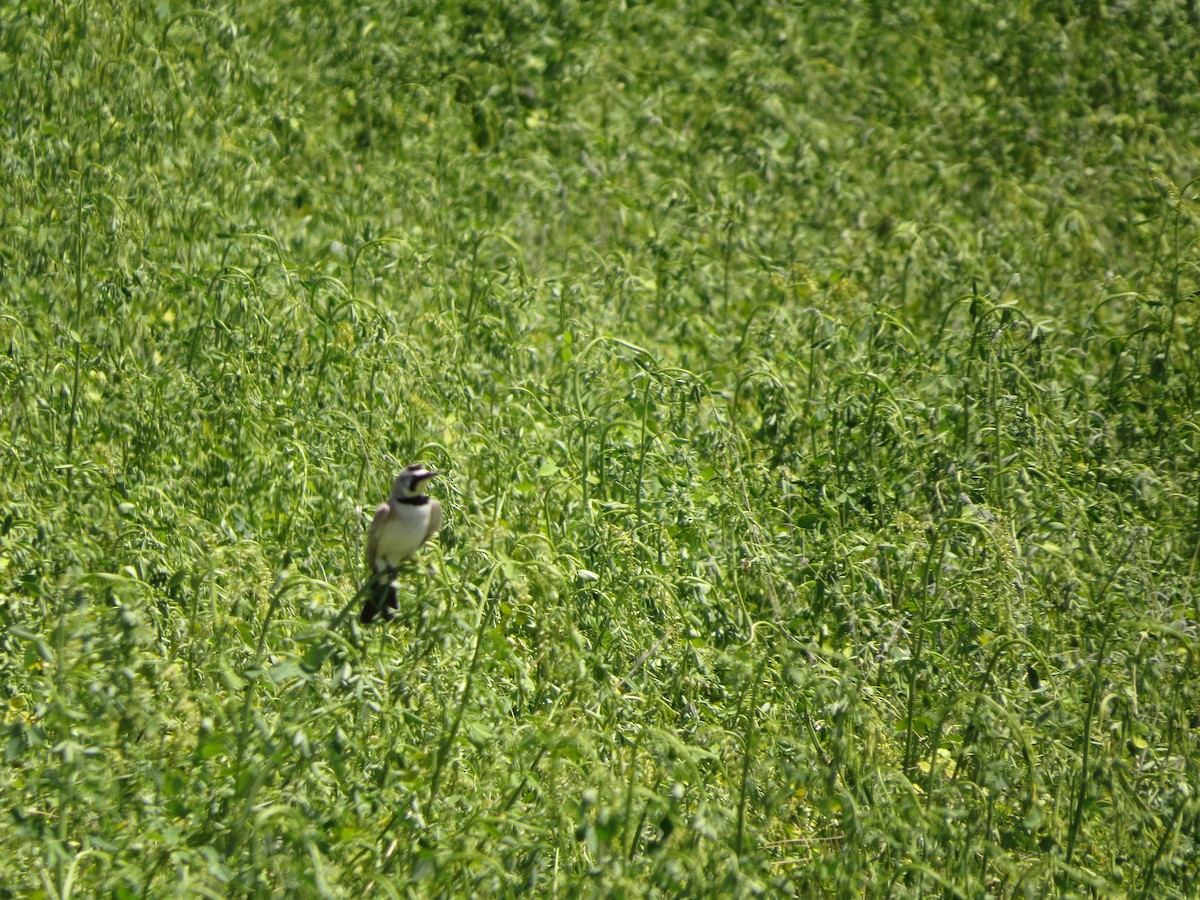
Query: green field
(817, 388)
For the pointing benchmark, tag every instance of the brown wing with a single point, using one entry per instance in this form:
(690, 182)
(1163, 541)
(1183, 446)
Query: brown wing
(381, 516)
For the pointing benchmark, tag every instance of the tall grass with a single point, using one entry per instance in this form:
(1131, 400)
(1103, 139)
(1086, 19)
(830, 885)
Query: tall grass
(817, 389)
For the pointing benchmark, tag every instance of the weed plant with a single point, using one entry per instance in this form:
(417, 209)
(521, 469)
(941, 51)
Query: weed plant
(816, 386)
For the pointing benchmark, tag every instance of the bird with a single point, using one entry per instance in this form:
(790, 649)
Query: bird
(402, 524)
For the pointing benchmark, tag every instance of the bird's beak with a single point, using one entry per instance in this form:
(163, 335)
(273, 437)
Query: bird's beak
(427, 474)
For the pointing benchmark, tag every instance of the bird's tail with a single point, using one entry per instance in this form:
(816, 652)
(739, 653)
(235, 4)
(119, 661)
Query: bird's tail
(381, 598)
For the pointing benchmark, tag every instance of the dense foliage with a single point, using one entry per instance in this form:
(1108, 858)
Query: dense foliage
(817, 390)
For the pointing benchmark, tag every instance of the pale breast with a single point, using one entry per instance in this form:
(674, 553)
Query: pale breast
(401, 534)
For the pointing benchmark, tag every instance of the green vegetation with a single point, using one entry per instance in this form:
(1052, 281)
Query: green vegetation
(817, 387)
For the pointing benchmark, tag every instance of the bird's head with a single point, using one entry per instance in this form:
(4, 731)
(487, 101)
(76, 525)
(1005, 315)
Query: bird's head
(413, 480)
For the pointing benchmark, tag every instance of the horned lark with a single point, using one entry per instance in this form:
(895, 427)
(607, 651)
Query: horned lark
(407, 520)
